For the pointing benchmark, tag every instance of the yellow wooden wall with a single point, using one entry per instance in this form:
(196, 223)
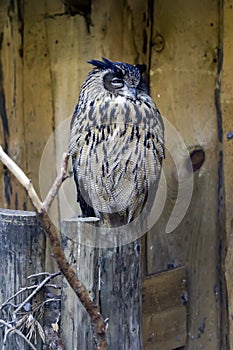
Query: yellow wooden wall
(185, 75)
(187, 46)
(227, 126)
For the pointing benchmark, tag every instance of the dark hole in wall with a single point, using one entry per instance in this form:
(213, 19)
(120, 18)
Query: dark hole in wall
(197, 157)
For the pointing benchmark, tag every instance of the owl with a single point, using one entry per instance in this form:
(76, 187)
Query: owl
(116, 143)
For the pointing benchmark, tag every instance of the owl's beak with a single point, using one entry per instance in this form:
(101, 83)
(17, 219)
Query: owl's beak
(133, 92)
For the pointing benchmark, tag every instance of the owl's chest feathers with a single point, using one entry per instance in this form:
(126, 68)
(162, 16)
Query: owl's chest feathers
(117, 109)
(116, 152)
(117, 138)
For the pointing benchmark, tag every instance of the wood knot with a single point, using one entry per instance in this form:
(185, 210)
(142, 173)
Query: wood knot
(158, 43)
(197, 157)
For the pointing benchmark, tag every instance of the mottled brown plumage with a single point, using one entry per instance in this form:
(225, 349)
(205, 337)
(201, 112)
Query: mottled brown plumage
(116, 143)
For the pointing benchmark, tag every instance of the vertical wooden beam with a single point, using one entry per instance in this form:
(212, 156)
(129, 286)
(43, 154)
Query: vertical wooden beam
(227, 124)
(38, 104)
(39, 114)
(12, 136)
(184, 68)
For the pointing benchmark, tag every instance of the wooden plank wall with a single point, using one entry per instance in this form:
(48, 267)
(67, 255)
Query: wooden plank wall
(227, 127)
(49, 50)
(43, 54)
(184, 76)
(12, 135)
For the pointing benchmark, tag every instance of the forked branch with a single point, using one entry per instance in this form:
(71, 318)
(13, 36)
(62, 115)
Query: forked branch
(97, 321)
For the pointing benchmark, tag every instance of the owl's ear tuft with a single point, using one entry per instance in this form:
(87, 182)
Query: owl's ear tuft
(105, 64)
(141, 68)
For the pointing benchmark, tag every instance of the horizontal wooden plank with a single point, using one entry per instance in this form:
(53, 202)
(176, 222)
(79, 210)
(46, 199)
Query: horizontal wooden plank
(164, 311)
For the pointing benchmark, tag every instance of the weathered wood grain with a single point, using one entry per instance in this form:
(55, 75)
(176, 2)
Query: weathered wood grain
(164, 314)
(75, 323)
(38, 103)
(68, 56)
(227, 127)
(12, 136)
(113, 277)
(39, 114)
(120, 295)
(43, 54)
(183, 77)
(22, 253)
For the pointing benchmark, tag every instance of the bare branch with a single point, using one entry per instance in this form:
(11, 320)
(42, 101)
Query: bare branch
(25, 289)
(18, 332)
(34, 293)
(12, 330)
(97, 321)
(57, 183)
(36, 287)
(44, 274)
(30, 320)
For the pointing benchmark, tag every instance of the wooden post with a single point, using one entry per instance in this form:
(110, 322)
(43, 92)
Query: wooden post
(75, 322)
(113, 277)
(22, 249)
(120, 295)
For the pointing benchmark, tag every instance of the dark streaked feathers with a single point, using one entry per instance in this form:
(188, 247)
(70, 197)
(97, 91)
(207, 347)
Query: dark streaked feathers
(116, 143)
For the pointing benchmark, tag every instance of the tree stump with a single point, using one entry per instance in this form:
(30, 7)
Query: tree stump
(113, 277)
(22, 248)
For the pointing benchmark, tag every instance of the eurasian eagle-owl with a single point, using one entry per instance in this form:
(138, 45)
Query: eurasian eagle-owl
(116, 143)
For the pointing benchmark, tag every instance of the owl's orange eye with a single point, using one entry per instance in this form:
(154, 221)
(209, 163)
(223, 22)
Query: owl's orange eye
(117, 83)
